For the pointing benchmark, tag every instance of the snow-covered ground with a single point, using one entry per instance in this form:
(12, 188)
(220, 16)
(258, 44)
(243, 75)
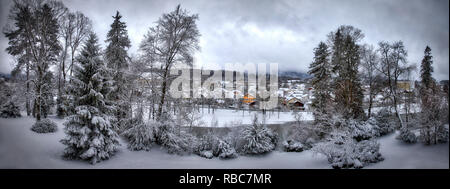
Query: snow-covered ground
(22, 148)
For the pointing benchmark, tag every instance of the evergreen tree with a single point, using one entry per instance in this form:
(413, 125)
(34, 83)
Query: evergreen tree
(89, 133)
(320, 68)
(117, 61)
(427, 69)
(345, 62)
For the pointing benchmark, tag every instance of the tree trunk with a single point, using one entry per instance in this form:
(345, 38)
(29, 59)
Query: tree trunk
(27, 96)
(163, 93)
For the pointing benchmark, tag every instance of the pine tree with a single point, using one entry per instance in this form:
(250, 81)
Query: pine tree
(89, 133)
(117, 61)
(320, 68)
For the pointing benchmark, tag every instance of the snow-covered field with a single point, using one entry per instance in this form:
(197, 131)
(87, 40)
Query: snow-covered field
(230, 118)
(22, 148)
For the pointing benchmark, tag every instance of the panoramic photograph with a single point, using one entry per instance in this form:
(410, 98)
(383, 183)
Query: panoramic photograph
(236, 84)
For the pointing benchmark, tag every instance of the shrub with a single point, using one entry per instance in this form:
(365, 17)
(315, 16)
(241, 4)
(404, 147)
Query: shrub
(363, 130)
(343, 151)
(407, 136)
(140, 137)
(384, 122)
(206, 154)
(306, 134)
(9, 110)
(173, 139)
(218, 147)
(224, 150)
(44, 126)
(292, 146)
(257, 139)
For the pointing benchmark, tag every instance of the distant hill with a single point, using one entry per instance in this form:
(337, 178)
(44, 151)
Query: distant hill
(6, 76)
(294, 75)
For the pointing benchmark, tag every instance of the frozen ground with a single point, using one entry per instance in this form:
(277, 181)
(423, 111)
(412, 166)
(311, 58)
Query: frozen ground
(22, 148)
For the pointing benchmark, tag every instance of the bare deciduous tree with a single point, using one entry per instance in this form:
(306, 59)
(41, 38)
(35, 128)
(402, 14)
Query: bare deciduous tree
(173, 40)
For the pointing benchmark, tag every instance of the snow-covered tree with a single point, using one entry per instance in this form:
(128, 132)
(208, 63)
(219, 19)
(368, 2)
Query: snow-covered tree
(345, 60)
(141, 134)
(426, 69)
(371, 77)
(8, 107)
(434, 108)
(89, 133)
(172, 41)
(75, 27)
(392, 65)
(257, 138)
(320, 69)
(117, 61)
(34, 40)
(434, 105)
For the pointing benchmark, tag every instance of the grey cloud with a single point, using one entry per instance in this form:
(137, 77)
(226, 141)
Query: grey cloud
(279, 31)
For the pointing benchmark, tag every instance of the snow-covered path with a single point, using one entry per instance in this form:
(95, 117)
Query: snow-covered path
(22, 148)
(411, 156)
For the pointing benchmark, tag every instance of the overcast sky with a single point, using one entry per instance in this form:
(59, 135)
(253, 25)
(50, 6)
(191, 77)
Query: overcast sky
(283, 32)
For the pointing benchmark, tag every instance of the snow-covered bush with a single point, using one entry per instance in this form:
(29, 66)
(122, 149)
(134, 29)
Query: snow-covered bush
(206, 143)
(342, 151)
(9, 110)
(140, 136)
(368, 151)
(407, 136)
(384, 123)
(44, 126)
(257, 138)
(306, 134)
(173, 139)
(217, 147)
(8, 100)
(292, 146)
(362, 130)
(208, 154)
(224, 150)
(442, 134)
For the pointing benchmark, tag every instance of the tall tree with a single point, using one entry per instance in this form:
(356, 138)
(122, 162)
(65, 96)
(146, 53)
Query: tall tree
(35, 38)
(117, 61)
(371, 76)
(392, 65)
(89, 133)
(74, 29)
(320, 69)
(426, 69)
(173, 40)
(345, 62)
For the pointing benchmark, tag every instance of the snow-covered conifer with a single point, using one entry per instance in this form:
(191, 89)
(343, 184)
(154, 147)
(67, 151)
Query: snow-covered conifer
(89, 133)
(117, 60)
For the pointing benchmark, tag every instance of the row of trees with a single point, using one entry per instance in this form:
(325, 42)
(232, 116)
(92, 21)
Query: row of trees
(97, 89)
(342, 66)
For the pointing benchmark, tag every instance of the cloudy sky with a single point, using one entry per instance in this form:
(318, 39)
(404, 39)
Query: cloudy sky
(283, 32)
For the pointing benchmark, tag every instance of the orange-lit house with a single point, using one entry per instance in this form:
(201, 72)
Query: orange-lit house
(248, 99)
